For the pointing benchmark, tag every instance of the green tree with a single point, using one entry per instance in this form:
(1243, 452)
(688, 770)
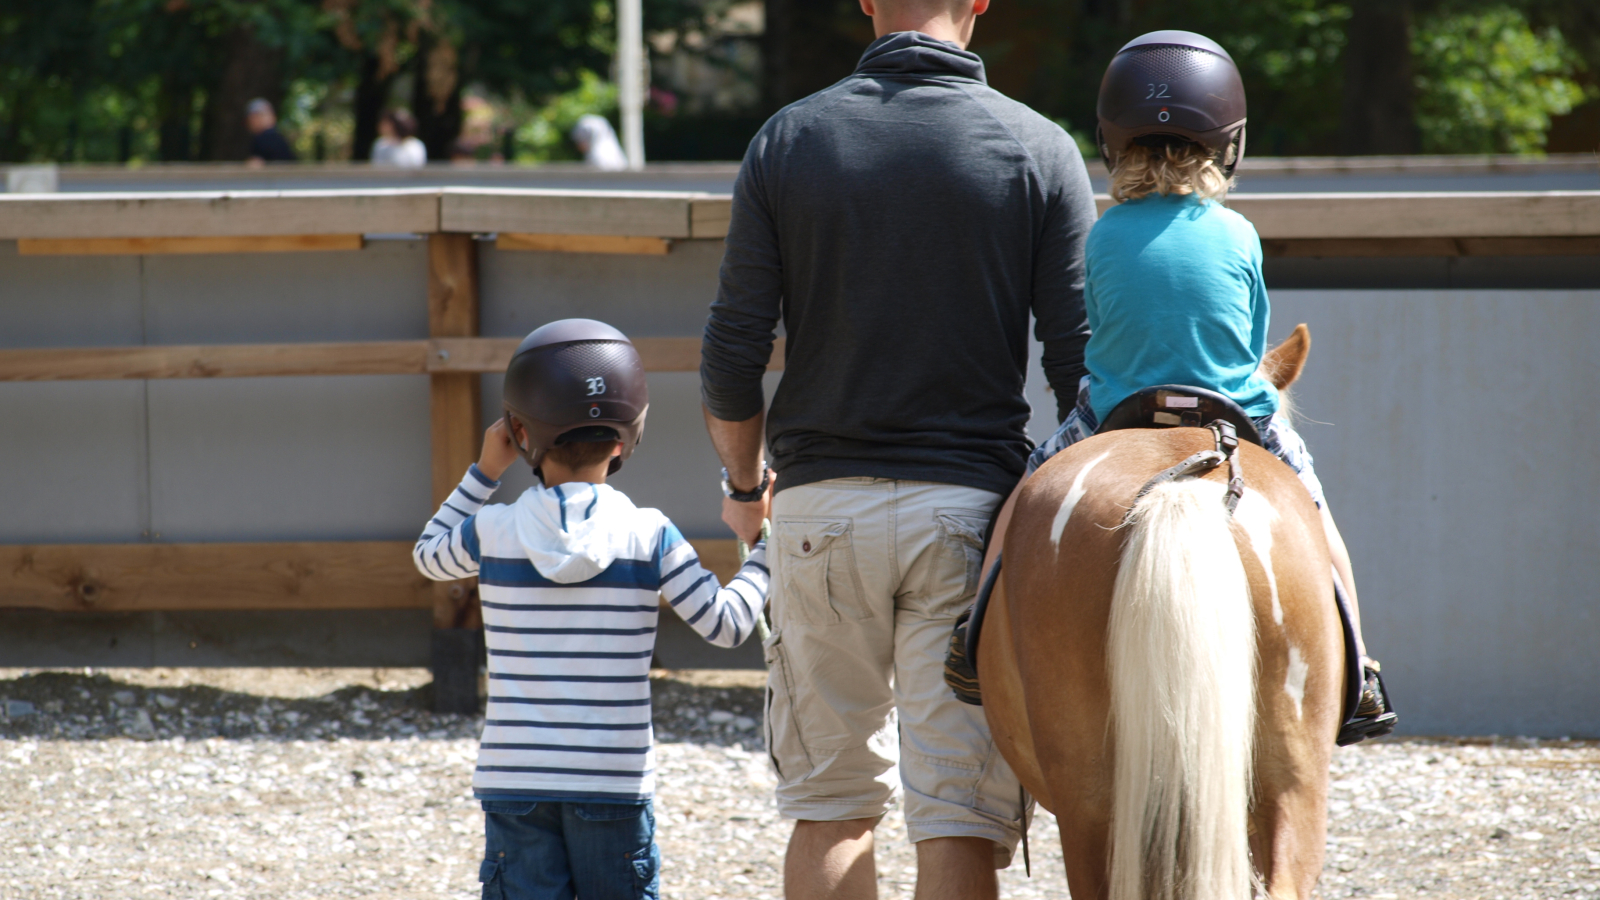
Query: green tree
(1487, 82)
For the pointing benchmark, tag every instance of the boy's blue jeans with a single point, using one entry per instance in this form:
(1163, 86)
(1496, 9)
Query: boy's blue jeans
(551, 850)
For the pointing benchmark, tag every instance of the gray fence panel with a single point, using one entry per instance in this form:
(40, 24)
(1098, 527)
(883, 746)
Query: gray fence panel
(72, 462)
(290, 459)
(1450, 430)
(375, 294)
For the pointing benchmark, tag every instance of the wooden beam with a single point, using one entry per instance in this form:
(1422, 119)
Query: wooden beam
(659, 354)
(1373, 248)
(1422, 215)
(439, 356)
(709, 215)
(220, 213)
(454, 403)
(533, 211)
(583, 243)
(215, 361)
(171, 577)
(270, 243)
(720, 556)
(250, 576)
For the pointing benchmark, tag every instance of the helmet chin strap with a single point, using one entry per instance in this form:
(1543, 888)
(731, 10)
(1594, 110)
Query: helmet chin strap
(1237, 147)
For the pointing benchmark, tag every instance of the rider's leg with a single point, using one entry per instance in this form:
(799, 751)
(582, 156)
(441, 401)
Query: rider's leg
(1341, 563)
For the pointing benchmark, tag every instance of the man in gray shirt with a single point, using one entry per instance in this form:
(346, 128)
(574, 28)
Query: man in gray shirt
(902, 224)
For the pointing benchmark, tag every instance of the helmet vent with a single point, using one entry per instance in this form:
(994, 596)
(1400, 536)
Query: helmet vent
(582, 357)
(1165, 63)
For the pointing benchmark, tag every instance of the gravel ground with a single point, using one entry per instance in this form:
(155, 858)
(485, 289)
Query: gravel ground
(293, 783)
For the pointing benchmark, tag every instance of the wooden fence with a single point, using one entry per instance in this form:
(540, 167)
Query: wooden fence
(379, 574)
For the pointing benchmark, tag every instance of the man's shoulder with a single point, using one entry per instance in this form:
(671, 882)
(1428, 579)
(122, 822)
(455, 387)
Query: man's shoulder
(1036, 131)
(803, 112)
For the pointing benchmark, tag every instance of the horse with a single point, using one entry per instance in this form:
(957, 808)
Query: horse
(1164, 677)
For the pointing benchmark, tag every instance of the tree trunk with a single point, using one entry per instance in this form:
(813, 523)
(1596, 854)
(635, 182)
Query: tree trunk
(436, 95)
(174, 115)
(808, 45)
(372, 94)
(1378, 87)
(252, 70)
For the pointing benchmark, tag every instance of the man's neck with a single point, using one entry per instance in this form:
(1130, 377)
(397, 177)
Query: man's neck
(956, 28)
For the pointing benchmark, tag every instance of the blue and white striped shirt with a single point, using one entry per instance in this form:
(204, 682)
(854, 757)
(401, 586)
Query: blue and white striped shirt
(570, 578)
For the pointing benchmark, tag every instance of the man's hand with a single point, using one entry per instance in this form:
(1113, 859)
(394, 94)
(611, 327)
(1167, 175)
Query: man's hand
(745, 518)
(498, 450)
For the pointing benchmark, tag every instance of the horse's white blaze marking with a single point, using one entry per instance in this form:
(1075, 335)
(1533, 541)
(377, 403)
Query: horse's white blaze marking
(1295, 684)
(1257, 516)
(1074, 494)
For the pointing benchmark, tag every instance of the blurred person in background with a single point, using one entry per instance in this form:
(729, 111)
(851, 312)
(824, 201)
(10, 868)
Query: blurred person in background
(397, 143)
(598, 144)
(267, 144)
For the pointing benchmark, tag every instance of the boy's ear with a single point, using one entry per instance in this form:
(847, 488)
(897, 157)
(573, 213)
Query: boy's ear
(616, 449)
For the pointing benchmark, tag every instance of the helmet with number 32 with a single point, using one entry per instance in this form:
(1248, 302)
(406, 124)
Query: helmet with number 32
(576, 380)
(1172, 84)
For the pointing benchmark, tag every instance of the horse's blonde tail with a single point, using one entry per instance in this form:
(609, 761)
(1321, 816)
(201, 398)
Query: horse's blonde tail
(1181, 650)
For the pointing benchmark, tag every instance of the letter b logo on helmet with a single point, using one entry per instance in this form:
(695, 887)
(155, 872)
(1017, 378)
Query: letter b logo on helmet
(1172, 83)
(576, 379)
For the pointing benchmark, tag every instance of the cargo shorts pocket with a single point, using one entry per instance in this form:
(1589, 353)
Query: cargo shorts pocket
(491, 874)
(957, 559)
(818, 580)
(785, 747)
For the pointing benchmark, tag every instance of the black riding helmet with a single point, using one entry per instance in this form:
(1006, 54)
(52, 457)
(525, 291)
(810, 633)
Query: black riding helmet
(576, 380)
(1172, 84)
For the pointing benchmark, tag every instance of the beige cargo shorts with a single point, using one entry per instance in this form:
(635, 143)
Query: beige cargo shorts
(868, 577)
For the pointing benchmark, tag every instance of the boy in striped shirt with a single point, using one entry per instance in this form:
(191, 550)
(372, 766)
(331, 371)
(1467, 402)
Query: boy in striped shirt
(570, 576)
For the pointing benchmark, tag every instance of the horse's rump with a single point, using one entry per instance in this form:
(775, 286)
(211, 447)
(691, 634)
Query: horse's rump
(1083, 675)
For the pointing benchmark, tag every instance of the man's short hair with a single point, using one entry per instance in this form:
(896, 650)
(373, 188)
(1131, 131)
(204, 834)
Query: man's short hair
(259, 105)
(581, 454)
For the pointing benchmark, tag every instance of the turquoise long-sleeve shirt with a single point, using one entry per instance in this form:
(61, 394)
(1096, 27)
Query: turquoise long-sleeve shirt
(1174, 295)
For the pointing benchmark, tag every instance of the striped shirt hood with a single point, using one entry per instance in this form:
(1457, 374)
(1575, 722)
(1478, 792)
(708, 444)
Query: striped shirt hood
(568, 530)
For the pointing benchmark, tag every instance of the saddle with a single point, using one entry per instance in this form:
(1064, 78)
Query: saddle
(1166, 406)
(1179, 406)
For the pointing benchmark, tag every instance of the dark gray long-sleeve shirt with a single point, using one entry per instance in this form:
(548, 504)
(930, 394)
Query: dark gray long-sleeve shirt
(902, 223)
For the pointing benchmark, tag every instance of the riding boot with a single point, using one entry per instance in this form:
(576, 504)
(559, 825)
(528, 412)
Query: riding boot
(958, 670)
(1374, 717)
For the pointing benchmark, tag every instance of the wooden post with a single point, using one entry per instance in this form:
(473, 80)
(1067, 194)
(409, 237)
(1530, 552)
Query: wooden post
(457, 431)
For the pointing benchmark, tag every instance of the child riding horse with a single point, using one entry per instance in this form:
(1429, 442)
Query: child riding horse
(1162, 665)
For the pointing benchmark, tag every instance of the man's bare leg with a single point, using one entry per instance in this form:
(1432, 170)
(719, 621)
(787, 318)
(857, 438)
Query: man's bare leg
(831, 861)
(956, 868)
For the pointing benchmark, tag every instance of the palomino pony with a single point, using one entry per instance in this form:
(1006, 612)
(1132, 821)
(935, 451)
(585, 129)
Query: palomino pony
(1166, 679)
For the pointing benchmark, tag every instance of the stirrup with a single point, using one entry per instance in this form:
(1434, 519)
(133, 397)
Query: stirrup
(1373, 716)
(958, 671)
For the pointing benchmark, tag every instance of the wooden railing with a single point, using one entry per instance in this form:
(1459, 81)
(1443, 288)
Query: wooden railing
(156, 576)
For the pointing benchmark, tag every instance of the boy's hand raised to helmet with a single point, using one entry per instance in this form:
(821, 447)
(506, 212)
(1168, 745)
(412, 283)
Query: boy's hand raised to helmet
(498, 450)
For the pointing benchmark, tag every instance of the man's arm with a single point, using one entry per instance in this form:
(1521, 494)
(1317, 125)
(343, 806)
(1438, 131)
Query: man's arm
(738, 341)
(739, 446)
(1058, 278)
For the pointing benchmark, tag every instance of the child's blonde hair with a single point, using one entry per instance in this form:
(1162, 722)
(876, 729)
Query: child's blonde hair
(1177, 167)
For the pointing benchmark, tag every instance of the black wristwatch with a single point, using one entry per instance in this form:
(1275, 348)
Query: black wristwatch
(746, 496)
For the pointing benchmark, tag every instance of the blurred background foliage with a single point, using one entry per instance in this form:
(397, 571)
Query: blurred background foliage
(137, 81)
